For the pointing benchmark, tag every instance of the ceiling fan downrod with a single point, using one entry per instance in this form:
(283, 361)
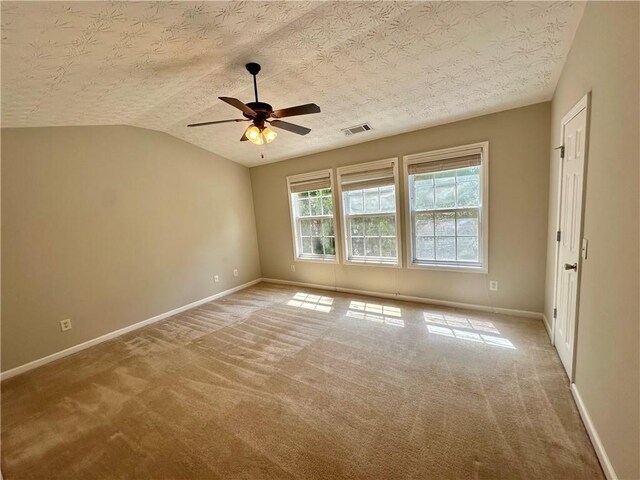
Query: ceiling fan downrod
(254, 69)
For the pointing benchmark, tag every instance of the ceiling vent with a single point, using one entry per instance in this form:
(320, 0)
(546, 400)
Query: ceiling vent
(365, 127)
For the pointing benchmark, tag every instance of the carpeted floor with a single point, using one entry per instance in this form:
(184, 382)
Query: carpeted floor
(279, 382)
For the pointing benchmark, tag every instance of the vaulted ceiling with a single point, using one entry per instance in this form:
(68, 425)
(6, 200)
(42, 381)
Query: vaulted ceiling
(400, 66)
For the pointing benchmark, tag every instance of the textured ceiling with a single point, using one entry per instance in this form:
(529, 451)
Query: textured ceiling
(400, 66)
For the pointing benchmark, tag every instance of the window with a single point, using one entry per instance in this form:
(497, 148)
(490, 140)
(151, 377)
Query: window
(448, 195)
(369, 205)
(311, 204)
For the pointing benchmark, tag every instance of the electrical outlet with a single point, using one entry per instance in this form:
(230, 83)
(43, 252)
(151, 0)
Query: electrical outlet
(235, 272)
(293, 268)
(216, 278)
(493, 285)
(65, 324)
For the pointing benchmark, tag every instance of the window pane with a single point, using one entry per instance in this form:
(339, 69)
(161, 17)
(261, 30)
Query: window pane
(388, 199)
(317, 246)
(329, 245)
(303, 207)
(306, 245)
(371, 200)
(316, 205)
(468, 188)
(388, 226)
(372, 226)
(358, 247)
(355, 201)
(468, 248)
(424, 191)
(357, 227)
(388, 247)
(315, 237)
(467, 222)
(445, 196)
(327, 228)
(424, 224)
(445, 248)
(327, 206)
(445, 224)
(316, 228)
(425, 248)
(372, 246)
(305, 227)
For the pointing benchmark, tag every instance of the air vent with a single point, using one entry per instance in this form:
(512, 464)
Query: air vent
(365, 127)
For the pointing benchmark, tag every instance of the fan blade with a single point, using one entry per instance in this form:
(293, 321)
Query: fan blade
(218, 121)
(299, 110)
(290, 127)
(234, 102)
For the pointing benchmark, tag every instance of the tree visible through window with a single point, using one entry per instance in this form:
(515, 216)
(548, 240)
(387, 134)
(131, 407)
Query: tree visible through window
(446, 207)
(370, 217)
(311, 201)
(314, 211)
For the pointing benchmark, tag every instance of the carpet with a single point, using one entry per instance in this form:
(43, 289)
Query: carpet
(278, 382)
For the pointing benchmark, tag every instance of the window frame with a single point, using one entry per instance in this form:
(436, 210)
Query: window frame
(298, 256)
(483, 227)
(345, 233)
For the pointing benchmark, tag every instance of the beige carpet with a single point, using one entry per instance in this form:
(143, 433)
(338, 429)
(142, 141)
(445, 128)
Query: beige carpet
(278, 382)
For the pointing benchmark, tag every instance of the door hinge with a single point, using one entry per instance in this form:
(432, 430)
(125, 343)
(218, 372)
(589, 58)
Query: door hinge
(558, 236)
(561, 148)
(555, 312)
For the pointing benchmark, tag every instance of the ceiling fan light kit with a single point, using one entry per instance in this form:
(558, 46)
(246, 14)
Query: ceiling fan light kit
(262, 115)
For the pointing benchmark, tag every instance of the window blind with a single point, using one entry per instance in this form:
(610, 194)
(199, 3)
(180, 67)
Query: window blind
(308, 184)
(367, 179)
(452, 163)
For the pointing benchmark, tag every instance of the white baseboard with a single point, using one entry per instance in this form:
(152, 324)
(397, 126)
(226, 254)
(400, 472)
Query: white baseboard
(103, 338)
(593, 435)
(408, 298)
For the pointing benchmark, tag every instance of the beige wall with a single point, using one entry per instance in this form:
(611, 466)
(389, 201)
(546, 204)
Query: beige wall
(604, 60)
(110, 226)
(519, 169)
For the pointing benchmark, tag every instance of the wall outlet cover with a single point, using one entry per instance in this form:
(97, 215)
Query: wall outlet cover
(65, 325)
(293, 268)
(235, 272)
(216, 278)
(493, 285)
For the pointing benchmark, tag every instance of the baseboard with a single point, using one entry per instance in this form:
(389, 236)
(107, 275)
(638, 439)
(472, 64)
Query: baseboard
(103, 338)
(593, 435)
(409, 298)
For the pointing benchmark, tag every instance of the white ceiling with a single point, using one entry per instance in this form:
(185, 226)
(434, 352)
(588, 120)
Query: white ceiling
(400, 66)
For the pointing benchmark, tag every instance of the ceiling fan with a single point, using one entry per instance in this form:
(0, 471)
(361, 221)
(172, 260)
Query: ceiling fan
(261, 114)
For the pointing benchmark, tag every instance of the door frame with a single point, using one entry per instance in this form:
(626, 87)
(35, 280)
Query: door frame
(583, 103)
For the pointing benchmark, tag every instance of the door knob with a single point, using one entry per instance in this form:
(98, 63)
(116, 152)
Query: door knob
(573, 267)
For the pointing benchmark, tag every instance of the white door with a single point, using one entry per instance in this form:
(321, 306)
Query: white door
(574, 127)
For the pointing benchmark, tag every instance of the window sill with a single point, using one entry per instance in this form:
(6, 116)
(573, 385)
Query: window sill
(316, 259)
(449, 268)
(372, 263)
